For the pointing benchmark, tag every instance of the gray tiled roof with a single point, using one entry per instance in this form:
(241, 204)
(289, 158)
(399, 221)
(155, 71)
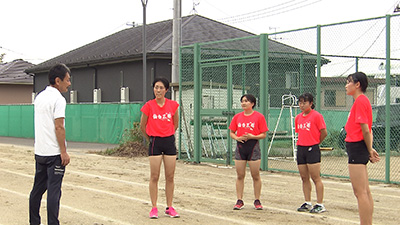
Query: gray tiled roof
(13, 72)
(127, 44)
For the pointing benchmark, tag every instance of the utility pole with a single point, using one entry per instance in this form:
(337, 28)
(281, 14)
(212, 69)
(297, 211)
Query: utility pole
(144, 4)
(176, 40)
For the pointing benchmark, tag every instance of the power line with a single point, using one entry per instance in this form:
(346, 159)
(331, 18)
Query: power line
(11, 50)
(359, 37)
(251, 16)
(257, 11)
(18, 53)
(372, 44)
(363, 35)
(216, 8)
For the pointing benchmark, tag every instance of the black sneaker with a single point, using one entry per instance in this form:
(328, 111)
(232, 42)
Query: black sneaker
(239, 205)
(318, 209)
(305, 208)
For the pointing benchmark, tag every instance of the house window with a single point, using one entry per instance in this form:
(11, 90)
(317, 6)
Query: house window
(292, 80)
(330, 98)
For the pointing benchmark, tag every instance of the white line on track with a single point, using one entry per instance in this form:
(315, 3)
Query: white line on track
(188, 210)
(108, 178)
(97, 216)
(349, 189)
(116, 195)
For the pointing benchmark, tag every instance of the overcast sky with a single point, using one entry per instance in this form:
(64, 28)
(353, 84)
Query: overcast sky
(42, 29)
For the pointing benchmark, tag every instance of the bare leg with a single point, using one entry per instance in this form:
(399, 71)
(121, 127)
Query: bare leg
(155, 164)
(241, 173)
(255, 174)
(305, 178)
(359, 180)
(169, 167)
(314, 170)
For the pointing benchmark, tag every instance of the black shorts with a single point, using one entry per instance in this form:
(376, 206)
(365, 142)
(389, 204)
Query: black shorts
(249, 150)
(308, 154)
(162, 145)
(357, 152)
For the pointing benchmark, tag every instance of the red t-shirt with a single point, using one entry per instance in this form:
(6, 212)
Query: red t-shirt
(160, 122)
(360, 112)
(309, 128)
(254, 124)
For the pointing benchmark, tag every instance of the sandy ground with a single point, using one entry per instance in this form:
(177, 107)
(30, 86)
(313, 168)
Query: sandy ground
(113, 190)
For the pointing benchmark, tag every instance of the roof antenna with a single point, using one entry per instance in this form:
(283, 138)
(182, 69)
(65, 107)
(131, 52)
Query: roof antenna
(132, 24)
(397, 9)
(195, 3)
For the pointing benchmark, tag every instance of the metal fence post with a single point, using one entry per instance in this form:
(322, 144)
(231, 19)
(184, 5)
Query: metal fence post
(318, 94)
(387, 107)
(301, 74)
(197, 103)
(180, 104)
(264, 94)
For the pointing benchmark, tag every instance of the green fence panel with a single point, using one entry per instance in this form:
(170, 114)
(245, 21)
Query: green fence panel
(15, 122)
(335, 120)
(27, 121)
(4, 120)
(101, 123)
(73, 122)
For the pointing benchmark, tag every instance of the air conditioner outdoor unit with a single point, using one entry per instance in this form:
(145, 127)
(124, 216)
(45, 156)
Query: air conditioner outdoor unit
(97, 95)
(73, 96)
(33, 97)
(124, 94)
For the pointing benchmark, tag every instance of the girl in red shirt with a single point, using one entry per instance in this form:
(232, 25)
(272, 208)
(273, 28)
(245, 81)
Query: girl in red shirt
(359, 144)
(247, 128)
(311, 129)
(158, 124)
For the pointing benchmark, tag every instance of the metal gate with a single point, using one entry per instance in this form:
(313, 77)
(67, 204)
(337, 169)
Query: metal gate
(210, 97)
(222, 85)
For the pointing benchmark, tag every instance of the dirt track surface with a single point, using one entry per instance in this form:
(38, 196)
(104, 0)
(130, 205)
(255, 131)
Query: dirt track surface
(111, 190)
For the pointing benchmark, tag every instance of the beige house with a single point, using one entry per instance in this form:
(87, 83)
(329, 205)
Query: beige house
(16, 87)
(333, 93)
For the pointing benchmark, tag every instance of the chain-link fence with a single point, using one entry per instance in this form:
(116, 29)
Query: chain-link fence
(277, 68)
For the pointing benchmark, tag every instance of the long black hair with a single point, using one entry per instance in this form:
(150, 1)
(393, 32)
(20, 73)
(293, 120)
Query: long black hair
(308, 97)
(359, 77)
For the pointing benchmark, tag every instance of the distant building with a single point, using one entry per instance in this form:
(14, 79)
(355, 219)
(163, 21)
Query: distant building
(16, 87)
(110, 69)
(333, 93)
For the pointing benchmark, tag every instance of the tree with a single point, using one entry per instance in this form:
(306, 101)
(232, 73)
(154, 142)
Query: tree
(2, 57)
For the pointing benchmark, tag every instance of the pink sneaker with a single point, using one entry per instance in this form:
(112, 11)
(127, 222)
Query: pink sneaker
(257, 205)
(170, 211)
(154, 213)
(239, 205)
